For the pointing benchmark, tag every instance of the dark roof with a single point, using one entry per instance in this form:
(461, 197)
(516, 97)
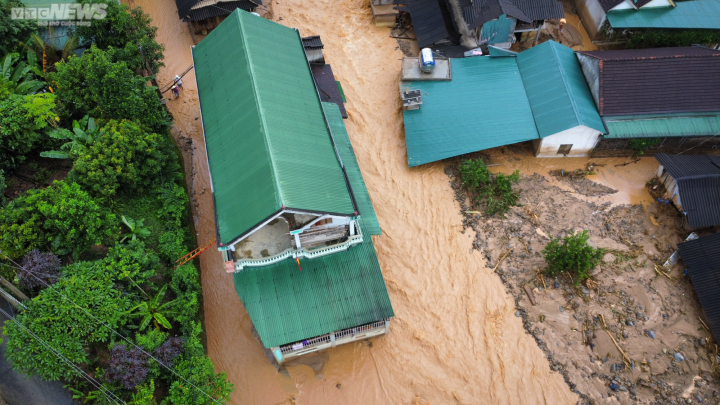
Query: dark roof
(220, 8)
(431, 22)
(702, 257)
(698, 180)
(313, 42)
(658, 80)
(482, 11)
(608, 5)
(327, 86)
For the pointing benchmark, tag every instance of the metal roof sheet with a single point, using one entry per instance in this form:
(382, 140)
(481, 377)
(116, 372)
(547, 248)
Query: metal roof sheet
(702, 256)
(312, 42)
(267, 142)
(556, 88)
(541, 9)
(498, 31)
(484, 106)
(608, 5)
(368, 219)
(332, 292)
(662, 126)
(328, 86)
(691, 14)
(479, 12)
(203, 11)
(431, 21)
(683, 167)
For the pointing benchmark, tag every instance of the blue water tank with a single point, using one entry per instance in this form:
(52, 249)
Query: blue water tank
(427, 60)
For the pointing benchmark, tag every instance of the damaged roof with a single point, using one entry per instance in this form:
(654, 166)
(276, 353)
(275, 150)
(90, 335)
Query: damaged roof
(698, 180)
(195, 10)
(635, 81)
(479, 12)
(431, 22)
(702, 257)
(688, 14)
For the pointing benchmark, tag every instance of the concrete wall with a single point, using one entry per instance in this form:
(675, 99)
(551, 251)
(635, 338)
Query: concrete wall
(591, 14)
(582, 139)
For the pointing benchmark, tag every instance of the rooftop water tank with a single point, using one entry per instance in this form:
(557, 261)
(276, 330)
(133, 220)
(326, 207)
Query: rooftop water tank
(427, 61)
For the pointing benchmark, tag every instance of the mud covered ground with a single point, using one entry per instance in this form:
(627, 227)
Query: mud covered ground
(625, 293)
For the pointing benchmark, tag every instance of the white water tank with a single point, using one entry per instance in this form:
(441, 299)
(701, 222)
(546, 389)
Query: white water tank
(427, 60)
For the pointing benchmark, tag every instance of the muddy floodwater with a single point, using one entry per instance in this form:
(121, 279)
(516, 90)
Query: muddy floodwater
(455, 338)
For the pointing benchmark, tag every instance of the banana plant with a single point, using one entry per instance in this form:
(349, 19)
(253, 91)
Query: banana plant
(155, 311)
(137, 228)
(18, 77)
(46, 53)
(84, 133)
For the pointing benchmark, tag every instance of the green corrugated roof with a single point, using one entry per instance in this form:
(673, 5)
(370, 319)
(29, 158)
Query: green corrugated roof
(496, 52)
(484, 106)
(498, 31)
(267, 142)
(368, 220)
(559, 95)
(333, 292)
(663, 126)
(697, 14)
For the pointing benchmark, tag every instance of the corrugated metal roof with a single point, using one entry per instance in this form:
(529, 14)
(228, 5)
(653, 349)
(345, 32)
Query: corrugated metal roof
(368, 219)
(635, 81)
(332, 292)
(608, 5)
(702, 256)
(498, 31)
(267, 141)
(662, 126)
(431, 21)
(184, 6)
(484, 106)
(512, 10)
(313, 42)
(556, 88)
(221, 8)
(482, 11)
(695, 14)
(496, 52)
(327, 86)
(698, 179)
(541, 9)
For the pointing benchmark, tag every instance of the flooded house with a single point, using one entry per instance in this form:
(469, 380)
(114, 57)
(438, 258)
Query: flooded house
(205, 15)
(702, 258)
(293, 216)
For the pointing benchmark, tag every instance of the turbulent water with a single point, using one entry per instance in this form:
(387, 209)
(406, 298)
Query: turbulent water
(454, 338)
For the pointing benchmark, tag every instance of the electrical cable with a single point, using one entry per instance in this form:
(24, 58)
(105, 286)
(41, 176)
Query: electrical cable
(17, 266)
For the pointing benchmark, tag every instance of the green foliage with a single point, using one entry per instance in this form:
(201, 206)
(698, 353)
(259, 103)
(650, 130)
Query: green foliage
(185, 284)
(641, 144)
(23, 122)
(17, 76)
(656, 38)
(197, 368)
(83, 135)
(151, 340)
(13, 31)
(123, 29)
(62, 217)
(131, 265)
(571, 254)
(173, 245)
(136, 229)
(59, 321)
(122, 156)
(155, 311)
(145, 394)
(2, 188)
(96, 85)
(494, 190)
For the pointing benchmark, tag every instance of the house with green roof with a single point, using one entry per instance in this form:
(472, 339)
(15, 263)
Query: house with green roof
(538, 95)
(293, 215)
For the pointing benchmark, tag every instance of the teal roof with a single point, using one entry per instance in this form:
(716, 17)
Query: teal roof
(484, 106)
(368, 219)
(267, 142)
(326, 294)
(690, 14)
(663, 126)
(496, 52)
(498, 31)
(556, 88)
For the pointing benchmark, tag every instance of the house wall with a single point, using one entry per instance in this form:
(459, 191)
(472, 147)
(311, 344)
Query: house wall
(591, 14)
(671, 188)
(621, 147)
(591, 70)
(582, 139)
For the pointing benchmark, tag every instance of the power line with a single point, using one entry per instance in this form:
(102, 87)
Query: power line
(17, 266)
(82, 373)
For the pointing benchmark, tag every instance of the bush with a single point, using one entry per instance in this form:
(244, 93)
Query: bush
(131, 265)
(671, 38)
(151, 340)
(571, 254)
(2, 188)
(124, 156)
(127, 367)
(169, 350)
(95, 85)
(23, 122)
(38, 269)
(62, 218)
(494, 190)
(641, 144)
(13, 31)
(59, 321)
(123, 29)
(185, 284)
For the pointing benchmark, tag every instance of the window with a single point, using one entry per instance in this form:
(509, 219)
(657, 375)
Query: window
(564, 149)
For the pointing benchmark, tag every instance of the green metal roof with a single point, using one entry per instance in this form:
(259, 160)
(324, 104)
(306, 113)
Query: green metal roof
(333, 292)
(484, 106)
(496, 52)
(368, 219)
(663, 126)
(556, 88)
(498, 31)
(267, 141)
(698, 14)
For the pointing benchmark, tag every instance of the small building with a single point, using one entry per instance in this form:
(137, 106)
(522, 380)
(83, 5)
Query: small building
(692, 183)
(293, 215)
(702, 258)
(667, 95)
(205, 15)
(594, 13)
(537, 95)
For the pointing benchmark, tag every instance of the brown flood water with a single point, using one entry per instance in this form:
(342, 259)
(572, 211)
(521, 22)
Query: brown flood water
(455, 338)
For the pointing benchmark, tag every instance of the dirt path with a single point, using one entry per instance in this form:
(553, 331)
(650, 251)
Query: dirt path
(455, 338)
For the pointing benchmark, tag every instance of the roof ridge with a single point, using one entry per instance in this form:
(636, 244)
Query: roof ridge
(258, 104)
(564, 79)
